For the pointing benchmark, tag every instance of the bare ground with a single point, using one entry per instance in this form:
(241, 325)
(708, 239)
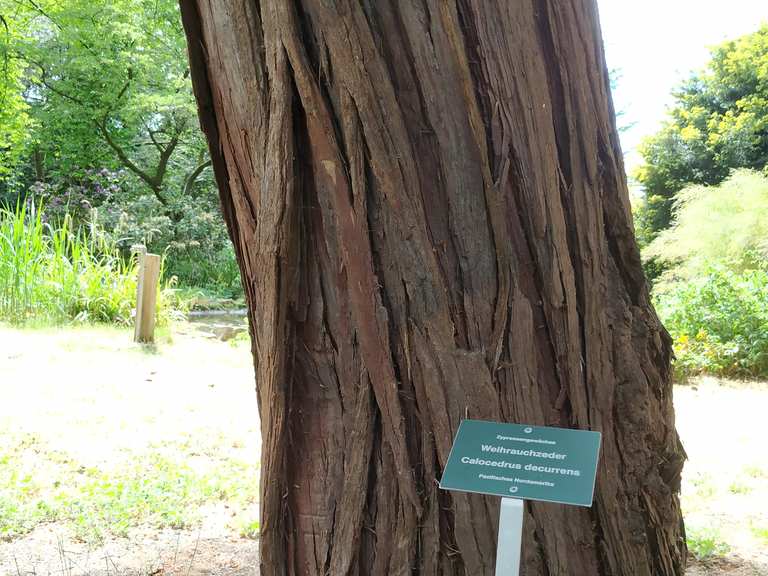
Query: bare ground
(52, 549)
(98, 396)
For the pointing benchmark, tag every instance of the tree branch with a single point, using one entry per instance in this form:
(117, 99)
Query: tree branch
(189, 181)
(152, 137)
(151, 181)
(43, 13)
(155, 144)
(44, 82)
(165, 156)
(124, 89)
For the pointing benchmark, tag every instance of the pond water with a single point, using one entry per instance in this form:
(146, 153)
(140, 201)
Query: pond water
(223, 324)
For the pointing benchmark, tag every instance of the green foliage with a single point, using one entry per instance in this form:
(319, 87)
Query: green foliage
(104, 117)
(21, 509)
(249, 528)
(725, 225)
(214, 268)
(152, 489)
(705, 487)
(719, 122)
(739, 487)
(52, 272)
(713, 296)
(706, 543)
(104, 76)
(718, 321)
(756, 472)
(759, 532)
(14, 118)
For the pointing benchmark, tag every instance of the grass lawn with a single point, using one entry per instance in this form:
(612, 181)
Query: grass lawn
(725, 480)
(120, 459)
(125, 457)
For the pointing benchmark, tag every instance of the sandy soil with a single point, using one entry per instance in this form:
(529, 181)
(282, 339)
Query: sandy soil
(94, 392)
(729, 566)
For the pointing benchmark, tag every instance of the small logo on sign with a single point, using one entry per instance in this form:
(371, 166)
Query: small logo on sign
(513, 489)
(528, 430)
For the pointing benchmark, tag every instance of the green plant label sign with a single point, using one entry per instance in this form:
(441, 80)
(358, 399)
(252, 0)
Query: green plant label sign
(519, 461)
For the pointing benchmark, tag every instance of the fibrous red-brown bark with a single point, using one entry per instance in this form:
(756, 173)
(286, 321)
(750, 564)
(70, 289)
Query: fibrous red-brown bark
(428, 204)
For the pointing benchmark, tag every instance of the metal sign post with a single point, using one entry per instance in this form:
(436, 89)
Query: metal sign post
(510, 538)
(520, 462)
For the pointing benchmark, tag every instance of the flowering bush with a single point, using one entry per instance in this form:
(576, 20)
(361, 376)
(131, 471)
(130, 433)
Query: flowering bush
(79, 196)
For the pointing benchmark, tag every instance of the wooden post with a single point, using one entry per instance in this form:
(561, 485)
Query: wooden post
(146, 297)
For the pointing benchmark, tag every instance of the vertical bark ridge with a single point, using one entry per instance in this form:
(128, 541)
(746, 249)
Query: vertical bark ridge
(429, 209)
(342, 179)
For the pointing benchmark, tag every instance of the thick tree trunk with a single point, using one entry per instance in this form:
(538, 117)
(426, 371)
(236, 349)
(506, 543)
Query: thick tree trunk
(428, 204)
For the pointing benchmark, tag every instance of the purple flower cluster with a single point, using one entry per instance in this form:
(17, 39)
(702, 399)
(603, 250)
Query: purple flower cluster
(78, 195)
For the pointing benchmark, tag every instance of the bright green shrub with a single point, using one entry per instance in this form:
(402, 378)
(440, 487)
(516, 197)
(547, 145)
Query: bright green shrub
(214, 269)
(706, 542)
(719, 322)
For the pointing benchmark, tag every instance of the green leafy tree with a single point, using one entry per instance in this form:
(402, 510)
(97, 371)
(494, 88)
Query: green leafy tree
(14, 118)
(719, 122)
(113, 126)
(108, 86)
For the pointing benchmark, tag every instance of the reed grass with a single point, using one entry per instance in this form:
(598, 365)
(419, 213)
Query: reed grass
(53, 273)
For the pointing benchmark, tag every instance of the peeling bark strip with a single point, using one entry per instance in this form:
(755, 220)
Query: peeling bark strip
(428, 204)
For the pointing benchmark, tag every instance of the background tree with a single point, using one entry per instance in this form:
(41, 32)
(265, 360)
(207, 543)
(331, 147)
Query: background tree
(428, 205)
(113, 127)
(614, 77)
(14, 118)
(719, 122)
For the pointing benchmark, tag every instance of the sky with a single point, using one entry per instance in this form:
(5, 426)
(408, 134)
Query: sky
(654, 44)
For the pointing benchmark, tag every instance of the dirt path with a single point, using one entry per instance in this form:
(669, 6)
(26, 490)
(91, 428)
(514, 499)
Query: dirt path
(52, 550)
(89, 401)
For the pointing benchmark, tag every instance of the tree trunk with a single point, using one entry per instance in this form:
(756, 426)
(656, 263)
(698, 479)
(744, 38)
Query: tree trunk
(428, 204)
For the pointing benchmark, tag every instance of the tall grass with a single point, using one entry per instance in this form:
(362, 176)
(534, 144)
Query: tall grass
(53, 273)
